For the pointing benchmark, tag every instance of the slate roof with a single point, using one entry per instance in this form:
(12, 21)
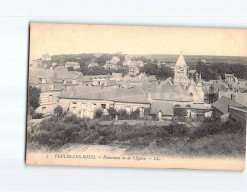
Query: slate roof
(165, 107)
(93, 64)
(132, 95)
(223, 103)
(34, 74)
(169, 92)
(64, 74)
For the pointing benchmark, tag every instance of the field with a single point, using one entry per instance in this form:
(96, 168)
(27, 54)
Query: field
(210, 139)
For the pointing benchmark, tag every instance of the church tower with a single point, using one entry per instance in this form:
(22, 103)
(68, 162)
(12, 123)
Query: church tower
(180, 74)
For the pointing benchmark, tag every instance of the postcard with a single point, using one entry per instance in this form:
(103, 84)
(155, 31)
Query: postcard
(136, 96)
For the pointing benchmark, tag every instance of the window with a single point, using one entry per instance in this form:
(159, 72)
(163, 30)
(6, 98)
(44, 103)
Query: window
(74, 110)
(50, 98)
(103, 106)
(51, 87)
(93, 106)
(43, 109)
(84, 106)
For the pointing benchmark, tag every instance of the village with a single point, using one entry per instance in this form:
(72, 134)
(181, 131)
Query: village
(185, 96)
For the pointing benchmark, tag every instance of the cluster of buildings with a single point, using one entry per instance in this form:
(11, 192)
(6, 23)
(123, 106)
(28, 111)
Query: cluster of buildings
(180, 96)
(133, 65)
(113, 64)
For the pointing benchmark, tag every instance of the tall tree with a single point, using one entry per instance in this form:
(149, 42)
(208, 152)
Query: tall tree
(33, 97)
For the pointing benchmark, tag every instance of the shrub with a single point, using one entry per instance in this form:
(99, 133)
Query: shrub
(98, 113)
(37, 115)
(70, 118)
(112, 112)
(58, 111)
(122, 114)
(134, 114)
(105, 118)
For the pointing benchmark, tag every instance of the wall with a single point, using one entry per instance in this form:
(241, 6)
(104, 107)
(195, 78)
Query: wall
(48, 100)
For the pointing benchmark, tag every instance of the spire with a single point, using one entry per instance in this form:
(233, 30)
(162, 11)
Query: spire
(181, 61)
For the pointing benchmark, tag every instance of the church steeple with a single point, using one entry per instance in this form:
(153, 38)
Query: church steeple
(181, 61)
(181, 69)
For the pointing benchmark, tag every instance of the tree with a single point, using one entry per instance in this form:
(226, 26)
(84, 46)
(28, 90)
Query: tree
(33, 97)
(98, 113)
(112, 113)
(164, 73)
(58, 111)
(33, 100)
(149, 69)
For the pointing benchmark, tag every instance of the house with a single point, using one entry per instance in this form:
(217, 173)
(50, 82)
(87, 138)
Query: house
(50, 87)
(109, 65)
(37, 63)
(90, 80)
(238, 114)
(164, 110)
(238, 97)
(84, 101)
(221, 106)
(75, 65)
(127, 60)
(115, 59)
(93, 64)
(46, 57)
(117, 76)
(133, 69)
(230, 77)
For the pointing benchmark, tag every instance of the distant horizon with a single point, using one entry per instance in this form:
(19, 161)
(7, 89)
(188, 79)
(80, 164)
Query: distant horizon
(130, 54)
(62, 39)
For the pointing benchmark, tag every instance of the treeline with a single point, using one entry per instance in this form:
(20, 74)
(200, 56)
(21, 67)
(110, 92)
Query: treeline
(160, 72)
(213, 71)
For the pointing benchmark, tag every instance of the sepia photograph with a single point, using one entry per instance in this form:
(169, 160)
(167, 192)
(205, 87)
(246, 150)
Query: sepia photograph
(136, 96)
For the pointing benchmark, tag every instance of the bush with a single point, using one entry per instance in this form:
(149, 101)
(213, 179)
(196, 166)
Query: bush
(70, 119)
(122, 114)
(134, 114)
(212, 137)
(98, 113)
(112, 113)
(37, 115)
(58, 111)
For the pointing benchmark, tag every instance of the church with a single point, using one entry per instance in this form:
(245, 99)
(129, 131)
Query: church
(178, 93)
(194, 89)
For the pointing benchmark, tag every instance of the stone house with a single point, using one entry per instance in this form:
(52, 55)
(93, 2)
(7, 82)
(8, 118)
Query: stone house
(84, 101)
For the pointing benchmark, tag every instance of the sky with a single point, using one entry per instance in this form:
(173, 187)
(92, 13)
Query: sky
(79, 38)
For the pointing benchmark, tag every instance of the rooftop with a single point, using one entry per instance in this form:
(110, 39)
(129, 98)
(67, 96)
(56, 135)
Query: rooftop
(223, 103)
(132, 95)
(165, 107)
(169, 92)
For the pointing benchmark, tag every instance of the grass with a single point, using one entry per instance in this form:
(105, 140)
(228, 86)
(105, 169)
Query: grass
(211, 138)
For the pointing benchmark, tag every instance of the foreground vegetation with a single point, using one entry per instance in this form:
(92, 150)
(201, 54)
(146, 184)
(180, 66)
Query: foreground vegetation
(211, 138)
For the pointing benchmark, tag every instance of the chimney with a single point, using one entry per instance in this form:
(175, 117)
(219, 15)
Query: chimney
(233, 97)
